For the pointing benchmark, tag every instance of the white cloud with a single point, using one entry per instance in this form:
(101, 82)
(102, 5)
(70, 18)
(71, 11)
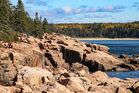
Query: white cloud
(68, 9)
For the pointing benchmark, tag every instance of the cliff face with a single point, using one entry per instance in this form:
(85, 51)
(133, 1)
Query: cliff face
(60, 64)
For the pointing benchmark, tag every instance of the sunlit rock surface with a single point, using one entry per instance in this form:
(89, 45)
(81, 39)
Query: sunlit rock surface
(61, 64)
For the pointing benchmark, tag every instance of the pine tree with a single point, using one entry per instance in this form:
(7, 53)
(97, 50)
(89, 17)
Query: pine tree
(45, 25)
(38, 27)
(36, 23)
(4, 14)
(14, 19)
(6, 32)
(21, 19)
(30, 25)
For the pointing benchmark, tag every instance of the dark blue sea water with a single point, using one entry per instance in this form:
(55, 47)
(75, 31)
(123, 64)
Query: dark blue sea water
(129, 47)
(123, 75)
(118, 47)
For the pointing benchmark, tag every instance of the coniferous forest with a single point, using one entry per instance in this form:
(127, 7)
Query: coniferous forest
(108, 30)
(15, 20)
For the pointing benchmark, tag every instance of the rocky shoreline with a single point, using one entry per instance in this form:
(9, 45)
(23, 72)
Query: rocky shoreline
(61, 64)
(107, 38)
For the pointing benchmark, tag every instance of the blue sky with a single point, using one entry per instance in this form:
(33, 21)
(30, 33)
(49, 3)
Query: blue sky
(84, 11)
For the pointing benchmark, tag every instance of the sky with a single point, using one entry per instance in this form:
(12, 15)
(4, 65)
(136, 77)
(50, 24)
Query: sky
(84, 11)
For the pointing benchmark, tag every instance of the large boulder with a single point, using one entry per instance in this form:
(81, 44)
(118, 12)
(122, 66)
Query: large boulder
(75, 85)
(72, 55)
(100, 76)
(34, 77)
(99, 60)
(54, 59)
(28, 55)
(8, 70)
(113, 85)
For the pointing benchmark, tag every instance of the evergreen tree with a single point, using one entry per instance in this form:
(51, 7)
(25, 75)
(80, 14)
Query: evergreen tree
(30, 25)
(4, 14)
(21, 19)
(14, 19)
(38, 28)
(6, 32)
(45, 25)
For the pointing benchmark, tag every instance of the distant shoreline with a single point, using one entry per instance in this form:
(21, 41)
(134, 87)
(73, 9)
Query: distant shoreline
(107, 38)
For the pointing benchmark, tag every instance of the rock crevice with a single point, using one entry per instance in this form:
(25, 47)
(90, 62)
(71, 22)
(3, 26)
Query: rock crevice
(61, 64)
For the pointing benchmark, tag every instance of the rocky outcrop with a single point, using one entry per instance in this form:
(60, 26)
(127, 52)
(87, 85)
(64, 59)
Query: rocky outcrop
(61, 64)
(98, 60)
(57, 50)
(135, 87)
(34, 78)
(98, 47)
(77, 54)
(130, 63)
(37, 80)
(8, 71)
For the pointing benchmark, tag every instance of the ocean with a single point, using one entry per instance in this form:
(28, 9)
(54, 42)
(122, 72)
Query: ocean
(118, 47)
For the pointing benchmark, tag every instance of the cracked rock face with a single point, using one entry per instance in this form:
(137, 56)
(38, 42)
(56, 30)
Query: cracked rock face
(8, 70)
(61, 64)
(34, 77)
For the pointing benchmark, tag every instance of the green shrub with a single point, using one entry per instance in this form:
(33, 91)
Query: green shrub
(8, 36)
